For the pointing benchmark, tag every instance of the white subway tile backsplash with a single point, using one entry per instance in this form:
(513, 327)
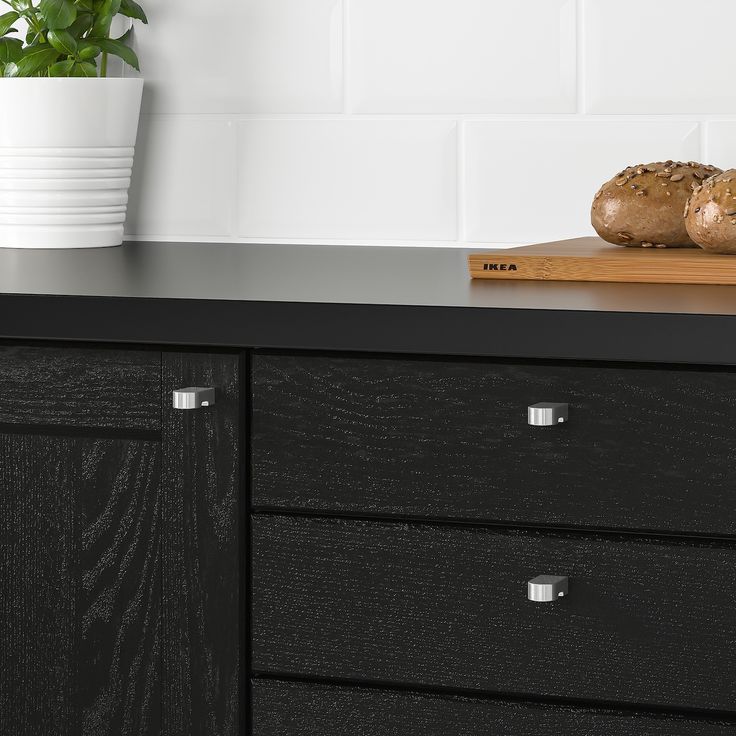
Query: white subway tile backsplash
(645, 56)
(339, 120)
(242, 56)
(721, 144)
(462, 56)
(183, 177)
(362, 179)
(535, 181)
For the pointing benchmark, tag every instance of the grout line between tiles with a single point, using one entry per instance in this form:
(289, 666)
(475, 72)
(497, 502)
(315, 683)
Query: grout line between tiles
(470, 117)
(580, 60)
(348, 242)
(234, 174)
(346, 57)
(704, 142)
(460, 184)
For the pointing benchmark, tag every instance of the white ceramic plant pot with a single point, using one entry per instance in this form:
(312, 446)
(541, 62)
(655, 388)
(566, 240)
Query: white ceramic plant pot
(66, 153)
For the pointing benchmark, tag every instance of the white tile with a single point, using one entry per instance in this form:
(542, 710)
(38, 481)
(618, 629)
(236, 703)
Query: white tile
(721, 144)
(659, 56)
(362, 179)
(183, 177)
(461, 56)
(535, 181)
(242, 56)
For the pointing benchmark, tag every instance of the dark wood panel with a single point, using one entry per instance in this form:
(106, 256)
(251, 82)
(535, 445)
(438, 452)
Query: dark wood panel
(37, 605)
(80, 387)
(644, 449)
(645, 622)
(81, 587)
(202, 622)
(119, 602)
(301, 709)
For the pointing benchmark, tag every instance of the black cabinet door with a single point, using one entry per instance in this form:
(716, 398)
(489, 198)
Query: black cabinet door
(80, 570)
(119, 547)
(203, 549)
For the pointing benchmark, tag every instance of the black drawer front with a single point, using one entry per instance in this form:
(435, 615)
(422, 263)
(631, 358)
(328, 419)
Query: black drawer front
(303, 709)
(646, 622)
(115, 389)
(643, 449)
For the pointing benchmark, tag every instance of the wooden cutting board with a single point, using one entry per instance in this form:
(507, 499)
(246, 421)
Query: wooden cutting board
(592, 259)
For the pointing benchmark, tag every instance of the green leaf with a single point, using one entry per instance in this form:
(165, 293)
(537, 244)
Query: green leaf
(101, 26)
(88, 51)
(6, 22)
(117, 47)
(11, 49)
(58, 14)
(131, 9)
(83, 69)
(86, 5)
(81, 25)
(62, 68)
(107, 10)
(19, 5)
(34, 60)
(63, 42)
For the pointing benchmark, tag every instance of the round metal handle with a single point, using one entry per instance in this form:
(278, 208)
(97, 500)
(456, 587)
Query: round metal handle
(547, 588)
(547, 414)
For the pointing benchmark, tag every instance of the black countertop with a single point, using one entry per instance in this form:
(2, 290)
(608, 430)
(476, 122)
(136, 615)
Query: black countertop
(379, 299)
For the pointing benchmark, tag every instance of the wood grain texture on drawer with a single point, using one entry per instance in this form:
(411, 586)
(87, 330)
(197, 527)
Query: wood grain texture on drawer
(644, 449)
(645, 622)
(304, 709)
(79, 387)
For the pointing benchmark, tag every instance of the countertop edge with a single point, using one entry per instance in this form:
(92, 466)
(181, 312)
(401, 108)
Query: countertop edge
(704, 339)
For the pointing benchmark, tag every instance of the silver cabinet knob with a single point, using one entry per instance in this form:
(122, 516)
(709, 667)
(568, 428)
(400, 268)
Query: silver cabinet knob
(194, 397)
(546, 414)
(547, 588)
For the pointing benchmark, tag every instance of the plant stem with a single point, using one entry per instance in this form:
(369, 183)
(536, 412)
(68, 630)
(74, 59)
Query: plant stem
(103, 65)
(32, 19)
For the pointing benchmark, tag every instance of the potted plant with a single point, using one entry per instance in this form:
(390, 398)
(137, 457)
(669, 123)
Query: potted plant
(67, 130)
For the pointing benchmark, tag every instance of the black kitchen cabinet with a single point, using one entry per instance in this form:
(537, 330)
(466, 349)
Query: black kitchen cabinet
(342, 545)
(119, 561)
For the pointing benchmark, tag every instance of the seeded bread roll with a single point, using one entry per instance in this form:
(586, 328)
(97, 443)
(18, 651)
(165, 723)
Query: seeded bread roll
(710, 215)
(643, 205)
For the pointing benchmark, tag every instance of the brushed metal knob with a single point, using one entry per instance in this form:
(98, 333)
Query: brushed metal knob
(547, 588)
(546, 414)
(194, 397)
